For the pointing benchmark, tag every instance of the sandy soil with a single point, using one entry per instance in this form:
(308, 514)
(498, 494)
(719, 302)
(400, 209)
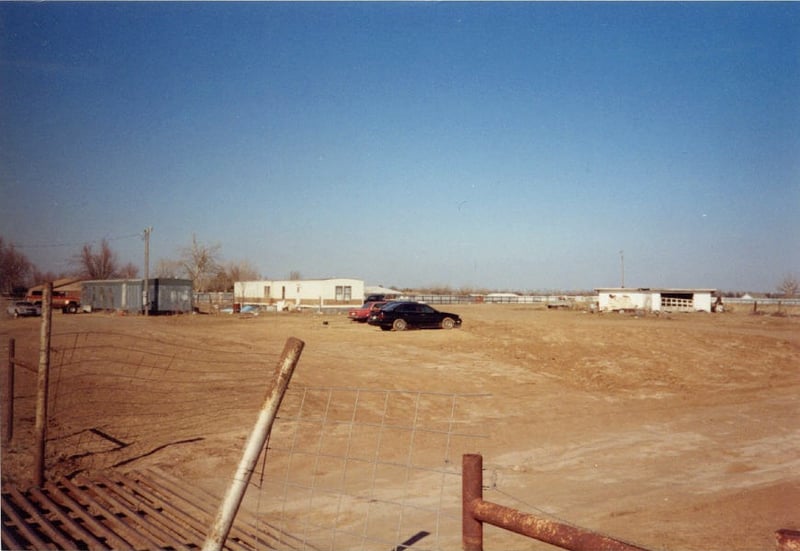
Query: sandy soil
(674, 431)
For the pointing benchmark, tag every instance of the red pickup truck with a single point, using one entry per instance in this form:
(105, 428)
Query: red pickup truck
(68, 301)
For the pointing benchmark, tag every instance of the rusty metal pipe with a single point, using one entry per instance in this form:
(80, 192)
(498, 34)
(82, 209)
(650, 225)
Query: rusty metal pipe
(476, 511)
(471, 491)
(548, 531)
(787, 540)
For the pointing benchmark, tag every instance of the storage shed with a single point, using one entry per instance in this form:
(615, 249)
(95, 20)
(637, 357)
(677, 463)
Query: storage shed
(614, 299)
(166, 295)
(301, 291)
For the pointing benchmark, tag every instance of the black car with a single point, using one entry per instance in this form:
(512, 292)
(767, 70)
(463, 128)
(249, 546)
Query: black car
(400, 315)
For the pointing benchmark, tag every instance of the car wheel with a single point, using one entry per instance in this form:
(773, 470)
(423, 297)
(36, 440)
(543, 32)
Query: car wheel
(448, 323)
(399, 324)
(71, 309)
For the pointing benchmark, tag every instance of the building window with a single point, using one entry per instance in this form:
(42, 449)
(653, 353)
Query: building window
(681, 302)
(344, 292)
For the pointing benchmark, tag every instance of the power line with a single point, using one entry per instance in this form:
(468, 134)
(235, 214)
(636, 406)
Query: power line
(77, 244)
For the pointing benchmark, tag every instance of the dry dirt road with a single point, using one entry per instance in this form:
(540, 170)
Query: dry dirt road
(674, 432)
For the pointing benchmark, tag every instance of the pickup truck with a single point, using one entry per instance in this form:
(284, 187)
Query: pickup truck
(68, 301)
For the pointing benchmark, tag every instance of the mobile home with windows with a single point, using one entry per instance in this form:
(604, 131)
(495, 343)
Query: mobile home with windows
(299, 292)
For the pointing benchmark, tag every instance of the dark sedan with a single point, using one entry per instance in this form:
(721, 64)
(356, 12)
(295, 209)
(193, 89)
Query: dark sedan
(401, 315)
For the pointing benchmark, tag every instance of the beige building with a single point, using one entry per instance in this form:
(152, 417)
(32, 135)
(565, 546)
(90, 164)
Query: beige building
(301, 291)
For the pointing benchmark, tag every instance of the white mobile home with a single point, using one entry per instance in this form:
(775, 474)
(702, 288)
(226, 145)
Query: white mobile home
(654, 300)
(301, 291)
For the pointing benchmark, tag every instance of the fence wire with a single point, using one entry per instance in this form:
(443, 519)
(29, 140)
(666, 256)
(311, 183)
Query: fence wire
(350, 468)
(344, 468)
(118, 397)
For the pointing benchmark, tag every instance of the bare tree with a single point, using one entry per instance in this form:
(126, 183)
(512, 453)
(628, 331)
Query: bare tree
(97, 265)
(294, 275)
(168, 268)
(128, 271)
(242, 271)
(40, 277)
(200, 264)
(789, 286)
(15, 268)
(231, 273)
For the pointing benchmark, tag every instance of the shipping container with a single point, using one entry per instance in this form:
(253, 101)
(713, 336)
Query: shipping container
(165, 295)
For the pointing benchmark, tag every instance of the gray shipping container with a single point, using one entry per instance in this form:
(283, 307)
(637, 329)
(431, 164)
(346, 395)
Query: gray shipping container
(166, 295)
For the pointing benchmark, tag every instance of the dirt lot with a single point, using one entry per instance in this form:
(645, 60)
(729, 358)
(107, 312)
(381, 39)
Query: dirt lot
(674, 432)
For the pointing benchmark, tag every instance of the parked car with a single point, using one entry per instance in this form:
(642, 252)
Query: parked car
(24, 308)
(361, 314)
(401, 315)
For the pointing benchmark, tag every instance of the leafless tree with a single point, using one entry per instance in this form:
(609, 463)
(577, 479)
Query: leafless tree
(232, 272)
(167, 268)
(102, 264)
(128, 271)
(294, 275)
(41, 277)
(15, 268)
(200, 264)
(242, 270)
(789, 286)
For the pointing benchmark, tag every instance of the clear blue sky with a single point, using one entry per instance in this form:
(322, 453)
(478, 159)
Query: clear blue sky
(504, 145)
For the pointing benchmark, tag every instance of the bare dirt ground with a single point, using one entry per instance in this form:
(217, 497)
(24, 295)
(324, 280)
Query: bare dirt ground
(673, 432)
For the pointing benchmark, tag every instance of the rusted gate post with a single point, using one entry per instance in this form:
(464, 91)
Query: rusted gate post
(42, 383)
(477, 511)
(8, 411)
(787, 540)
(471, 492)
(258, 437)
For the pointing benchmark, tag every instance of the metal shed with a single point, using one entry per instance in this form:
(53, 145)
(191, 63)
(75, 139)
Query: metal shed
(166, 295)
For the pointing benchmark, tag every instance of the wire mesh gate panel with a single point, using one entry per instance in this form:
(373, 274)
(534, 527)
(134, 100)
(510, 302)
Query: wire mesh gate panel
(345, 468)
(367, 469)
(115, 397)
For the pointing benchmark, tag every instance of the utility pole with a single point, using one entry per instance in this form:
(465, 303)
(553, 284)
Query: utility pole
(622, 265)
(146, 286)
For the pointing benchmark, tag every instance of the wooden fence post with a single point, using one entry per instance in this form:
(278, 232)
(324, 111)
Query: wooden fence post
(9, 404)
(42, 384)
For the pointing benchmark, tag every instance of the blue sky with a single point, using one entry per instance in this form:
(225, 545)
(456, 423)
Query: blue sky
(515, 146)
